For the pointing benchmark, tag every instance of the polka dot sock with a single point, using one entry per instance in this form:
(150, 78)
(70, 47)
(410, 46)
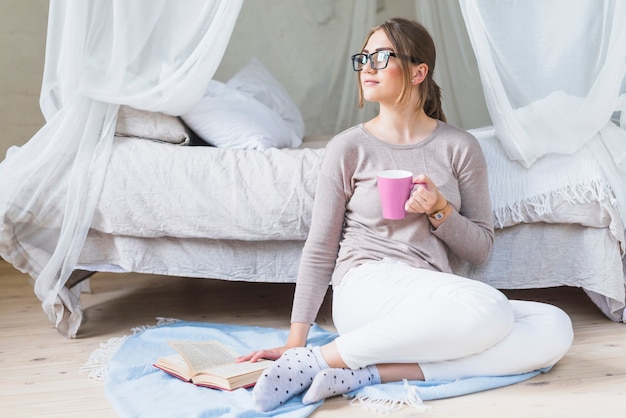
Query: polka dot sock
(332, 382)
(288, 376)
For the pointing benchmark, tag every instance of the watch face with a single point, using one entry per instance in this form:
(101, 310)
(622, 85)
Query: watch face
(438, 216)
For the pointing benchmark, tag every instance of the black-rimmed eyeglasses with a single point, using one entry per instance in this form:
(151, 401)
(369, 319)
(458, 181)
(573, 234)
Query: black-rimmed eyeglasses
(378, 60)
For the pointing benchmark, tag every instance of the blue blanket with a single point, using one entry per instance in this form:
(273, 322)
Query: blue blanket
(136, 388)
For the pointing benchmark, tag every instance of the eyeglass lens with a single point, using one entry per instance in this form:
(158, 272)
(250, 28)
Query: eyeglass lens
(378, 60)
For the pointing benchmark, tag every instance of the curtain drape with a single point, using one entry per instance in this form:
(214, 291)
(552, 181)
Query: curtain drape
(156, 55)
(553, 74)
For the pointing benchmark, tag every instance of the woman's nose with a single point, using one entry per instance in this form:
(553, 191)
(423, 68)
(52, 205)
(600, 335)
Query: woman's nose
(367, 68)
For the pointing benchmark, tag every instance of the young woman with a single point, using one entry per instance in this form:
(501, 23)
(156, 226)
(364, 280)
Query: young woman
(399, 311)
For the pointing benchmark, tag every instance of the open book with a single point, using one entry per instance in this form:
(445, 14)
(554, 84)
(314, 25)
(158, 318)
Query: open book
(210, 364)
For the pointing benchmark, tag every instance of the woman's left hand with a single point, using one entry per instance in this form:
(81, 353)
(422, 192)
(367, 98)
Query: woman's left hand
(425, 197)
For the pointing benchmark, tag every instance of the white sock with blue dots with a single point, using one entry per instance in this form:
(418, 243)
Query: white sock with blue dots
(288, 376)
(333, 382)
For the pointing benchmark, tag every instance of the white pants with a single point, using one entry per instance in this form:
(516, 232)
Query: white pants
(389, 312)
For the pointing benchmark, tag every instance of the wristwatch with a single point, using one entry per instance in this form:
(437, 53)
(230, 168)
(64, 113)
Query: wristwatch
(440, 214)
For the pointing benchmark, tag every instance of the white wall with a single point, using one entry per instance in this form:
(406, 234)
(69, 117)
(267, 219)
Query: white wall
(23, 26)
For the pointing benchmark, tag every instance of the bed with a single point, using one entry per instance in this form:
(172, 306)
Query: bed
(227, 198)
(85, 195)
(219, 213)
(170, 208)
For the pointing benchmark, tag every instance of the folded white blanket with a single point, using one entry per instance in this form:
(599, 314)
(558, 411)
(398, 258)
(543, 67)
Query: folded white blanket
(556, 189)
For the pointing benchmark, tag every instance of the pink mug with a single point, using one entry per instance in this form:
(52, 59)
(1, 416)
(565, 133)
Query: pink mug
(394, 188)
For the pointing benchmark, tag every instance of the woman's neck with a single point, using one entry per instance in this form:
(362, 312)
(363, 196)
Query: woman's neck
(401, 127)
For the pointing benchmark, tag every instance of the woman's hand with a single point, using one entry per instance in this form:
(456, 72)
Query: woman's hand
(297, 338)
(425, 197)
(269, 354)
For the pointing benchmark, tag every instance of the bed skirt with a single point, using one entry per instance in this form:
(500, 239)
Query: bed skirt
(566, 255)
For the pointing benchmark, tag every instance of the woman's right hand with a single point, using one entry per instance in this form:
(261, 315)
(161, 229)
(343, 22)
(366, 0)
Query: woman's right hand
(297, 338)
(269, 354)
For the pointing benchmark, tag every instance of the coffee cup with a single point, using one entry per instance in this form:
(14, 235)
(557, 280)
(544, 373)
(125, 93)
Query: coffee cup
(394, 188)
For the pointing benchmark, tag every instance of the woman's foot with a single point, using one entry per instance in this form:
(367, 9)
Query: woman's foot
(288, 376)
(333, 382)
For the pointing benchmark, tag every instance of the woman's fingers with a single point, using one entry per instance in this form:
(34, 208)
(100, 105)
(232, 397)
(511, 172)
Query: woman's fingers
(270, 354)
(424, 195)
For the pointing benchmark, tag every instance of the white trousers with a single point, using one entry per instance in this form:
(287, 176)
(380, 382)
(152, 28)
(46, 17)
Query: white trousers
(389, 312)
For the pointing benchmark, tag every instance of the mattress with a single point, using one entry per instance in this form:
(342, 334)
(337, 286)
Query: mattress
(163, 190)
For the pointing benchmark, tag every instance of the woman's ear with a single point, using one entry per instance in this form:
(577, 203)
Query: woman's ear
(420, 71)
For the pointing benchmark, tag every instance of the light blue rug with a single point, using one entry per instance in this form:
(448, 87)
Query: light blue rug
(136, 388)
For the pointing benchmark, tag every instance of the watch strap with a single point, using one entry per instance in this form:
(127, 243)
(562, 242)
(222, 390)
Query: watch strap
(439, 214)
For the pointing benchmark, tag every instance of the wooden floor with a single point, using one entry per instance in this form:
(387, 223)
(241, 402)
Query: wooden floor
(40, 377)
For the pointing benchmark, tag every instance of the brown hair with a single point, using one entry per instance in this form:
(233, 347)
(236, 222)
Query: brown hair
(412, 39)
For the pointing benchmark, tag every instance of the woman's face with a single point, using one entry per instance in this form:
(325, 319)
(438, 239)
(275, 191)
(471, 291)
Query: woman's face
(383, 86)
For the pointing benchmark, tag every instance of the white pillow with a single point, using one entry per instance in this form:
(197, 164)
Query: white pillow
(156, 126)
(255, 80)
(229, 118)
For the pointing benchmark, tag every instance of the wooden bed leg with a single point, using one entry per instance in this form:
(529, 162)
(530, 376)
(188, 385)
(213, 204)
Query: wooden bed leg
(77, 277)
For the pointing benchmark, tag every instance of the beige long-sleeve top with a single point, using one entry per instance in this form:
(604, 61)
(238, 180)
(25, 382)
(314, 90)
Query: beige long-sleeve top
(347, 227)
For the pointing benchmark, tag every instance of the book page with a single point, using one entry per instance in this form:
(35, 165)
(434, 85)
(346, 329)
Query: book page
(238, 369)
(232, 375)
(175, 365)
(203, 355)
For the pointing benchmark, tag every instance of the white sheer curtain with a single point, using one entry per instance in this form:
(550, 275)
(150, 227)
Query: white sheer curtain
(156, 55)
(552, 72)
